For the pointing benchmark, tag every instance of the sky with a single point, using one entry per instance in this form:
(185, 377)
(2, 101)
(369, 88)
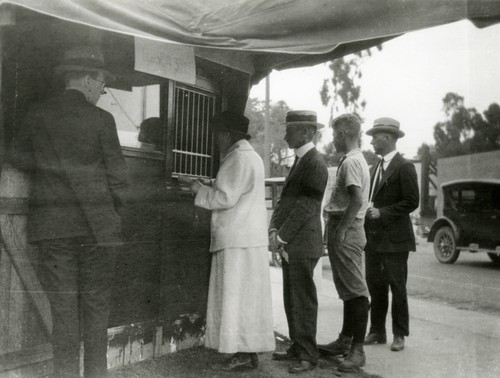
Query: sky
(407, 80)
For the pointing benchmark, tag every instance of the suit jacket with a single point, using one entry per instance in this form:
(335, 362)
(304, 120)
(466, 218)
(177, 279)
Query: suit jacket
(297, 216)
(396, 197)
(237, 200)
(79, 176)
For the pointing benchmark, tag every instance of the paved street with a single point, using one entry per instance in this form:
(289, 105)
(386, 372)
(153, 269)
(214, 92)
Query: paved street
(472, 282)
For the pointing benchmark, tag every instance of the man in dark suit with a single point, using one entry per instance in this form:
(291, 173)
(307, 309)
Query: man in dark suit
(394, 195)
(78, 179)
(295, 230)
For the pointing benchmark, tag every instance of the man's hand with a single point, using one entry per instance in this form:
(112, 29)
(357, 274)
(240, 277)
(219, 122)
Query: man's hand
(339, 235)
(274, 244)
(373, 213)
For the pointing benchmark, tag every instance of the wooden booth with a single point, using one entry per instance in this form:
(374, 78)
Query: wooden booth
(160, 288)
(176, 65)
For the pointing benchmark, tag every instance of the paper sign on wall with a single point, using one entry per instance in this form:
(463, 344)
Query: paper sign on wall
(167, 60)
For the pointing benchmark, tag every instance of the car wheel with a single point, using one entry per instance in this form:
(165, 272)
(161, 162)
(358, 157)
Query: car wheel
(276, 261)
(495, 257)
(445, 246)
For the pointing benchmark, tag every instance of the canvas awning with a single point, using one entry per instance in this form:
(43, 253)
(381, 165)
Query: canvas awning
(279, 33)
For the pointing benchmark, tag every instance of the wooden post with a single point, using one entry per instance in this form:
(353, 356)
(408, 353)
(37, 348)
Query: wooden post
(267, 132)
(424, 180)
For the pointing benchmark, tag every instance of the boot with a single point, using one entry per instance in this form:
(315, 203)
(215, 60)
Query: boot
(355, 360)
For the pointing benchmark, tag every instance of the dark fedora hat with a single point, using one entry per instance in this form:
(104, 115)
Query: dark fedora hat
(387, 125)
(230, 121)
(302, 118)
(84, 58)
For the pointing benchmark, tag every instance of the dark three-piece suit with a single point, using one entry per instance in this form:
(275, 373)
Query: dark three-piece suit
(389, 239)
(297, 218)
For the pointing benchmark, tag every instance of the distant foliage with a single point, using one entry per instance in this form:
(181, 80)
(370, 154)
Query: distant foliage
(465, 131)
(278, 148)
(342, 94)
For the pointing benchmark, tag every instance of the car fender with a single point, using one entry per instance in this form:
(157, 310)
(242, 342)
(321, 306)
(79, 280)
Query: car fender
(442, 222)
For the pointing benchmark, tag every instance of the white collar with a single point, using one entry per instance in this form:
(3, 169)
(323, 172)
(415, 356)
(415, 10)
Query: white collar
(387, 158)
(302, 150)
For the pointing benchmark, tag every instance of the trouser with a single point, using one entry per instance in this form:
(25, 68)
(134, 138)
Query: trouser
(346, 261)
(77, 275)
(384, 271)
(301, 306)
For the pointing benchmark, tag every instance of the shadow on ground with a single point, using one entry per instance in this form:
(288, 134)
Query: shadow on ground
(196, 362)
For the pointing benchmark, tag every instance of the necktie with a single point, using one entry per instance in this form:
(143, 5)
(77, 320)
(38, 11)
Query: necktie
(378, 179)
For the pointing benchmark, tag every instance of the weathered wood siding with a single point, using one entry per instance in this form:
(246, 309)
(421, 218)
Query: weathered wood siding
(25, 319)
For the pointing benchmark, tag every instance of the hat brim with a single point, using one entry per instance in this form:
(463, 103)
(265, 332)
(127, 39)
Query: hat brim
(305, 123)
(69, 67)
(385, 129)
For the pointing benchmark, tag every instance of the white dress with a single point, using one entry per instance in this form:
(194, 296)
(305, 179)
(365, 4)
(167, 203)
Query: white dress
(239, 312)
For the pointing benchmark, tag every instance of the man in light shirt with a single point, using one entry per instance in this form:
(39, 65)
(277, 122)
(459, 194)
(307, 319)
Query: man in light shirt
(346, 241)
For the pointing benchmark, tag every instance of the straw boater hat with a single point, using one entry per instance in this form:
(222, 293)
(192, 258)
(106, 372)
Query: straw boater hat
(302, 118)
(232, 122)
(386, 124)
(84, 58)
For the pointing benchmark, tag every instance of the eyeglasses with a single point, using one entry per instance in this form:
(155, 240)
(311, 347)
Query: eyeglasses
(103, 88)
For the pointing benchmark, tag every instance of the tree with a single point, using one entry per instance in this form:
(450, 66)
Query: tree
(255, 113)
(342, 93)
(464, 130)
(486, 132)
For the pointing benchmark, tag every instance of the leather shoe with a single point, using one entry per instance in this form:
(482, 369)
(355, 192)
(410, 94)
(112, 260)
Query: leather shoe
(301, 367)
(284, 356)
(375, 338)
(398, 343)
(238, 361)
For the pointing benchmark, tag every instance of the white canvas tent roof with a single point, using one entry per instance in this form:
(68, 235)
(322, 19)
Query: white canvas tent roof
(278, 33)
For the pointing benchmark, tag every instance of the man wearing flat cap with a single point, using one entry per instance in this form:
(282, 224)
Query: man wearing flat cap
(295, 231)
(394, 195)
(239, 310)
(78, 181)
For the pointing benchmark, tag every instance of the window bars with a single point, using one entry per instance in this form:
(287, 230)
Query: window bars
(193, 145)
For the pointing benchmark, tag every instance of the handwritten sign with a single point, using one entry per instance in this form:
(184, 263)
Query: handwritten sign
(167, 60)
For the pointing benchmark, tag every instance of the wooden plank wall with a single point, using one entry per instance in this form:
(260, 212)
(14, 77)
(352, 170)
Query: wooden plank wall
(24, 348)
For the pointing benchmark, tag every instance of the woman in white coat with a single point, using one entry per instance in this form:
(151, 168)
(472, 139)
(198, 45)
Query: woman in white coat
(239, 314)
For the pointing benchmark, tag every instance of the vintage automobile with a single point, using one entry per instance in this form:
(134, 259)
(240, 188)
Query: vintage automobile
(468, 219)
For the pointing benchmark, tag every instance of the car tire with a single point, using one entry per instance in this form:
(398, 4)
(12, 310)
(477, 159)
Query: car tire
(445, 246)
(495, 258)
